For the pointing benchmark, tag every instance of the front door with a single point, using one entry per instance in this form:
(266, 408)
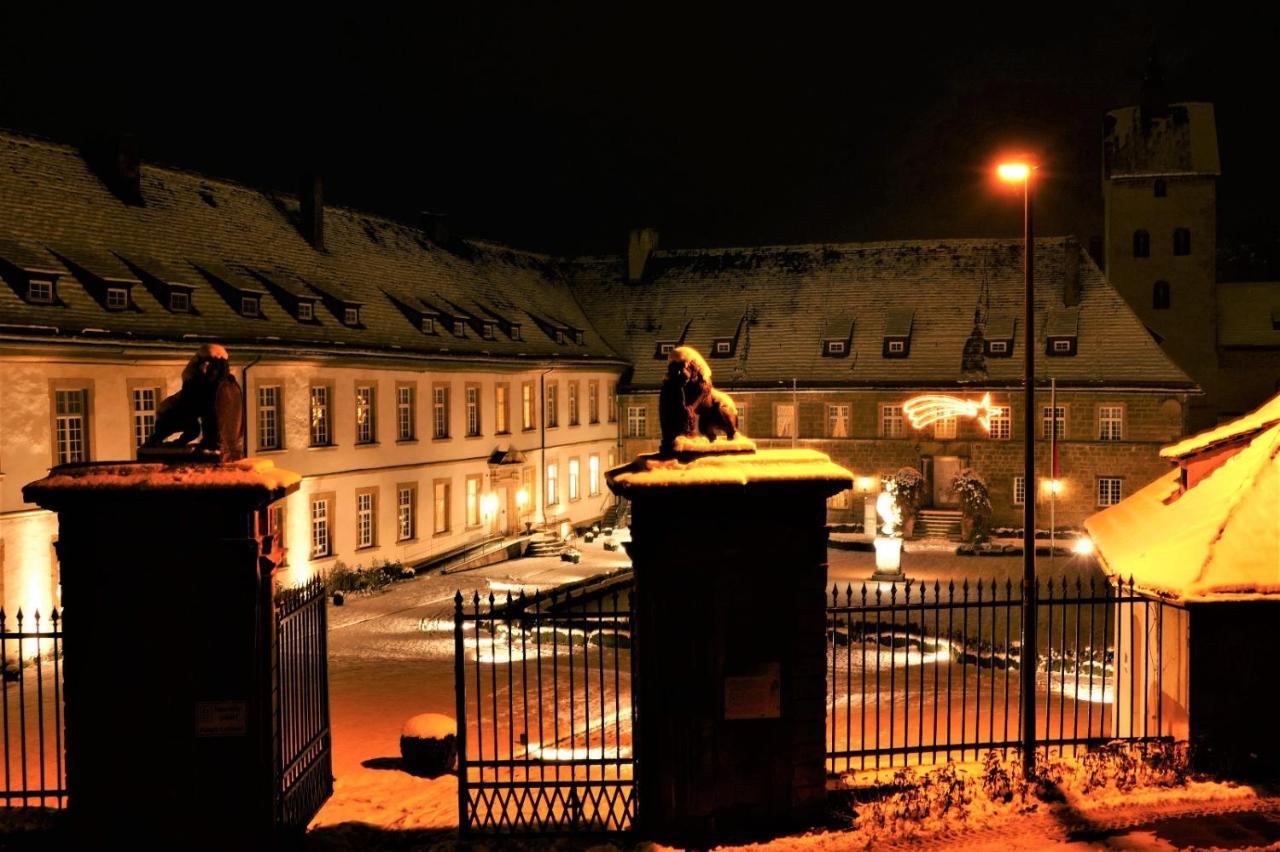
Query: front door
(944, 470)
(500, 522)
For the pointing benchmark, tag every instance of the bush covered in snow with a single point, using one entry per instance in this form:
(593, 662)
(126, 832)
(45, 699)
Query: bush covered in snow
(907, 487)
(975, 501)
(378, 576)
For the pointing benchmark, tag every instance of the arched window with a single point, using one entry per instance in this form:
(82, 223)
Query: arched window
(1141, 244)
(1160, 188)
(1182, 241)
(1160, 296)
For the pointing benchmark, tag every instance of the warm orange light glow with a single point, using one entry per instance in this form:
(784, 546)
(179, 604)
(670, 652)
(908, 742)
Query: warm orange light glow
(930, 408)
(1054, 486)
(1013, 171)
(1083, 545)
(864, 483)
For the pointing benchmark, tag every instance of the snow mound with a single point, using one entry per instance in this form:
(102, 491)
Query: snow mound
(429, 726)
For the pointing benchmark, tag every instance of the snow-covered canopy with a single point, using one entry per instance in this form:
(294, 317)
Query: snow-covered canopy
(1219, 540)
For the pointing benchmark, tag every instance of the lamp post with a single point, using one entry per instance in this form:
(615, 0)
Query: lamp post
(1016, 172)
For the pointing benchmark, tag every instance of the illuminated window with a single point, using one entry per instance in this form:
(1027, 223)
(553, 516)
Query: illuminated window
(440, 411)
(724, 347)
(944, 429)
(574, 493)
(891, 421)
(1054, 419)
(526, 406)
(1108, 490)
(837, 421)
(321, 416)
(611, 404)
(180, 302)
(365, 414)
(1182, 241)
(250, 306)
(1019, 490)
(117, 298)
(998, 347)
(269, 417)
(573, 403)
(40, 292)
(366, 504)
(742, 414)
(637, 421)
(500, 411)
(593, 475)
(1001, 423)
(897, 346)
(71, 413)
(1062, 346)
(593, 402)
(441, 506)
(1160, 296)
(784, 420)
(553, 494)
(306, 311)
(1110, 422)
(836, 347)
(428, 325)
(144, 413)
(406, 413)
(552, 416)
(1141, 244)
(406, 512)
(351, 316)
(473, 501)
(320, 541)
(473, 411)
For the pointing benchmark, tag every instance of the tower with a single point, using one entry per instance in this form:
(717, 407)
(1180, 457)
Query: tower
(1159, 185)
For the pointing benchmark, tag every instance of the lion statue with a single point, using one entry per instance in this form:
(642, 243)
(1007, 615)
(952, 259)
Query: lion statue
(209, 406)
(688, 404)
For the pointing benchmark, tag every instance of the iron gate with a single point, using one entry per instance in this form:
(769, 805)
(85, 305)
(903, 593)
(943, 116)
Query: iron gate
(545, 709)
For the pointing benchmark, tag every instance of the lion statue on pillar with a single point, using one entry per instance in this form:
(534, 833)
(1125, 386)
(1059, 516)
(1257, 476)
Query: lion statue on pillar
(689, 405)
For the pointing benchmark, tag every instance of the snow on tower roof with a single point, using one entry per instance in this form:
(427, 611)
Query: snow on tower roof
(1219, 540)
(1267, 415)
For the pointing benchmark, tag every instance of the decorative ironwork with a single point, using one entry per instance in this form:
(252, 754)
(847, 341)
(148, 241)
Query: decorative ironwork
(303, 748)
(32, 713)
(544, 706)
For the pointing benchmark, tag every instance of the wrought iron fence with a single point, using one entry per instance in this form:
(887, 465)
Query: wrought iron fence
(304, 776)
(930, 674)
(544, 707)
(31, 653)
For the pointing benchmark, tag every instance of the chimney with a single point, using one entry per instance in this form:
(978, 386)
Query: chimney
(436, 227)
(118, 165)
(1070, 273)
(311, 210)
(643, 242)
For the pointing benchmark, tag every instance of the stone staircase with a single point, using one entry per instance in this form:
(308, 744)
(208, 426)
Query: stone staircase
(938, 523)
(546, 545)
(615, 516)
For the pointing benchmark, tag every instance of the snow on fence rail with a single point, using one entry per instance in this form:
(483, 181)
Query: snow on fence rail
(928, 674)
(32, 711)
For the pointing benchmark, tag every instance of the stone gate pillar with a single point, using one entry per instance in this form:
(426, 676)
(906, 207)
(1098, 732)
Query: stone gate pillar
(730, 561)
(166, 588)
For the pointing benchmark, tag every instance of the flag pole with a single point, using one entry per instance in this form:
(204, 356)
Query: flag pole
(1053, 469)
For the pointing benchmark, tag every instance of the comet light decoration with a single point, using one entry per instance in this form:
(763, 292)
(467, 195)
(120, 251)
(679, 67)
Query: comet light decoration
(930, 408)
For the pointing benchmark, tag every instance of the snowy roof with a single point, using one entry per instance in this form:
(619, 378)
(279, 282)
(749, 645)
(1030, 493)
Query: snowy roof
(928, 289)
(1265, 416)
(52, 201)
(1218, 540)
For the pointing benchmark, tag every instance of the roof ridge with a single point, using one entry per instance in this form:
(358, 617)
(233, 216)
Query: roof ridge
(940, 242)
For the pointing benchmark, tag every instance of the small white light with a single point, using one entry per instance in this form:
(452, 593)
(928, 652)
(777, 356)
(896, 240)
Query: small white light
(1083, 545)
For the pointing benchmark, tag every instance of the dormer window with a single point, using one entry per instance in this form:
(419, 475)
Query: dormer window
(898, 324)
(515, 331)
(250, 306)
(664, 349)
(559, 335)
(835, 348)
(722, 348)
(460, 327)
(998, 347)
(117, 298)
(351, 316)
(306, 311)
(896, 347)
(40, 291)
(579, 337)
(1062, 347)
(180, 302)
(998, 336)
(428, 325)
(1061, 332)
(487, 330)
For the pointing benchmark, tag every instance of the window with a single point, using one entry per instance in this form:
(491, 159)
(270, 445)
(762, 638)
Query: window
(574, 493)
(593, 402)
(552, 417)
(428, 325)
(321, 542)
(366, 433)
(1182, 241)
(250, 306)
(742, 415)
(40, 292)
(526, 485)
(117, 298)
(1160, 189)
(144, 413)
(321, 416)
(1019, 490)
(898, 346)
(573, 403)
(440, 511)
(1160, 296)
(891, 421)
(593, 475)
(1110, 422)
(611, 403)
(526, 406)
(837, 421)
(180, 302)
(515, 331)
(460, 328)
(366, 511)
(1141, 244)
(440, 411)
(1062, 345)
(406, 412)
(998, 347)
(836, 347)
(501, 414)
(473, 501)
(784, 420)
(553, 495)
(473, 410)
(486, 331)
(276, 525)
(269, 417)
(71, 413)
(839, 500)
(724, 347)
(1055, 419)
(944, 429)
(406, 512)
(1000, 423)
(351, 316)
(1108, 490)
(306, 311)
(637, 421)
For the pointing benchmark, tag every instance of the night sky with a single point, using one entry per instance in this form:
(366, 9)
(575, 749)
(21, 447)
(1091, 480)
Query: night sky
(559, 130)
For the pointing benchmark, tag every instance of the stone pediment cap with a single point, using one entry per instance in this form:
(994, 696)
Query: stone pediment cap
(727, 467)
(74, 481)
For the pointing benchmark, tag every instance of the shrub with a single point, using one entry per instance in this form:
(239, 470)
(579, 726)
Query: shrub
(907, 487)
(974, 500)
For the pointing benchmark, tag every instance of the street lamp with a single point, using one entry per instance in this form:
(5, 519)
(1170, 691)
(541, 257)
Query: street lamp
(1021, 172)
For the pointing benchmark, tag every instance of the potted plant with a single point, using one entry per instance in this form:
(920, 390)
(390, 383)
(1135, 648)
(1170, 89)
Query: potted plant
(907, 486)
(975, 503)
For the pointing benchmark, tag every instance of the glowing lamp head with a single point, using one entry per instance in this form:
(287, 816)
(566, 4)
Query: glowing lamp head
(864, 483)
(1013, 172)
(1054, 486)
(522, 497)
(1083, 546)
